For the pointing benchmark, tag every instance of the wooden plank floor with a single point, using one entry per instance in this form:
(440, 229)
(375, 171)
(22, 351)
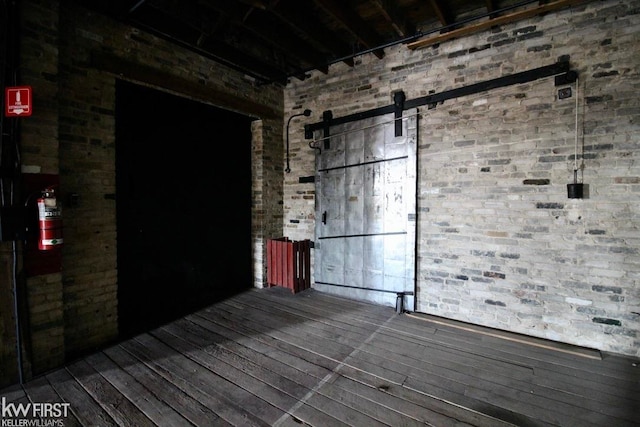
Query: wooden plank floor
(267, 357)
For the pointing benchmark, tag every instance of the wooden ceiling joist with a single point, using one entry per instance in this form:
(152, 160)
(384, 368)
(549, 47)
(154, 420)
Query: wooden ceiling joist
(481, 26)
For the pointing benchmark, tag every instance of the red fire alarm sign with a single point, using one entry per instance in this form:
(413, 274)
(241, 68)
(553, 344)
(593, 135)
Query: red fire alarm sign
(17, 101)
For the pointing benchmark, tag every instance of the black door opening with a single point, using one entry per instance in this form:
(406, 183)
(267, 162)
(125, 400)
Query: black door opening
(183, 206)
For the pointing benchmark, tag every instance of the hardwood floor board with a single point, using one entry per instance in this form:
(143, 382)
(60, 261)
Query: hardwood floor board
(248, 360)
(260, 345)
(293, 334)
(314, 344)
(262, 333)
(450, 385)
(388, 369)
(324, 328)
(158, 411)
(481, 343)
(507, 340)
(372, 410)
(301, 372)
(548, 410)
(536, 349)
(13, 393)
(83, 406)
(343, 412)
(563, 356)
(16, 407)
(447, 357)
(376, 368)
(212, 391)
(383, 415)
(390, 406)
(558, 373)
(264, 384)
(121, 409)
(318, 312)
(450, 381)
(318, 306)
(191, 409)
(340, 324)
(40, 390)
(280, 363)
(505, 401)
(489, 360)
(545, 362)
(356, 402)
(364, 311)
(432, 402)
(437, 368)
(245, 388)
(492, 409)
(268, 357)
(492, 360)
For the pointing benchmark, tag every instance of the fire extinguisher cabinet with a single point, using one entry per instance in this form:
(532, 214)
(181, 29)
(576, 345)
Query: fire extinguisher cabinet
(289, 264)
(42, 254)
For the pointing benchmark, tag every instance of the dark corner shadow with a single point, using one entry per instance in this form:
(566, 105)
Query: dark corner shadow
(252, 322)
(252, 316)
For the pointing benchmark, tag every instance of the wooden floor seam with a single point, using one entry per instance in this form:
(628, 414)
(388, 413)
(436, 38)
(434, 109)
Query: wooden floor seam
(267, 357)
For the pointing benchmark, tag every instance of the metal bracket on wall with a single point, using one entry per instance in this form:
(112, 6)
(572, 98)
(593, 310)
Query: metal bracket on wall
(327, 117)
(559, 68)
(398, 106)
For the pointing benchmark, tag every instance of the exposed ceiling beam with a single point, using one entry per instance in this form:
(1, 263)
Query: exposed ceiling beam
(270, 34)
(442, 12)
(470, 29)
(352, 22)
(295, 14)
(394, 16)
(235, 58)
(174, 30)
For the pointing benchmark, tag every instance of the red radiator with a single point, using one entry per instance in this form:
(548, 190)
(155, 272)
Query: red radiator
(288, 264)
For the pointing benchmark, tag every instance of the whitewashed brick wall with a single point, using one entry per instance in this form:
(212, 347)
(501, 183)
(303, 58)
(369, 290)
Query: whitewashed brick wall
(499, 242)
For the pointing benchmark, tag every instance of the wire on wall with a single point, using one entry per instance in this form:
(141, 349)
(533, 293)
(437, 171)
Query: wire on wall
(575, 190)
(10, 161)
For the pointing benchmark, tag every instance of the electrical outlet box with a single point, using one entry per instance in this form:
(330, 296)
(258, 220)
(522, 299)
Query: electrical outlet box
(564, 93)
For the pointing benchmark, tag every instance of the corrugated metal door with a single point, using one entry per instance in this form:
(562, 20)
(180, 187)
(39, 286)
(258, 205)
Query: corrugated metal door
(366, 210)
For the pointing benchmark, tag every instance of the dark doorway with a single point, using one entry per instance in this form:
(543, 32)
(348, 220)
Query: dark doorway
(183, 202)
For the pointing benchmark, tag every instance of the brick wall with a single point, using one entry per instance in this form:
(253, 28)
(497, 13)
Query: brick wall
(499, 242)
(72, 132)
(40, 296)
(87, 154)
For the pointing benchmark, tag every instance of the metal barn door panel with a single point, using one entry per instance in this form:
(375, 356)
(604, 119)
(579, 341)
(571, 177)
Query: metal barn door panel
(365, 210)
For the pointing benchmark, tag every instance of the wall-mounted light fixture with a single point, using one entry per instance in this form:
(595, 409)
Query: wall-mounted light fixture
(305, 113)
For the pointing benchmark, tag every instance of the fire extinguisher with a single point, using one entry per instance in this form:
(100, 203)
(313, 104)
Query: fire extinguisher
(49, 220)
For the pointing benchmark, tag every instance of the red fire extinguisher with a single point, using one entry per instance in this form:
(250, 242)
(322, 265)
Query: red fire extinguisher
(49, 221)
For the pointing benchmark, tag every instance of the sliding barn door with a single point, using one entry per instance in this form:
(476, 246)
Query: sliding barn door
(366, 210)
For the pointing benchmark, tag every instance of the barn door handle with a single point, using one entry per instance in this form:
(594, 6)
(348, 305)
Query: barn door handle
(324, 217)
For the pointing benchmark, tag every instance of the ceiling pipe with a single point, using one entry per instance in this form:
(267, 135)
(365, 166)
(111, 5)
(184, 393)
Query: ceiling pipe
(305, 113)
